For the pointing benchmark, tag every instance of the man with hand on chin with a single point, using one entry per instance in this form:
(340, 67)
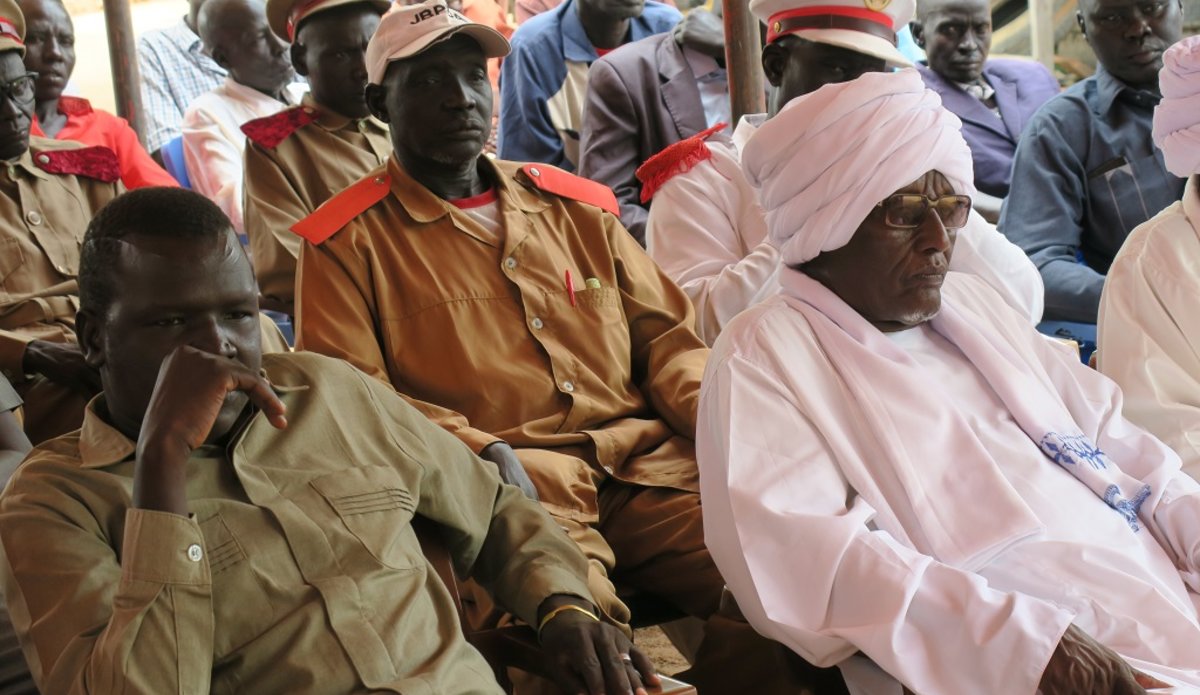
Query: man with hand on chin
(229, 521)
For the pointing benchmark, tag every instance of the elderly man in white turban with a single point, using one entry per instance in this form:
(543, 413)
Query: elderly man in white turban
(894, 462)
(706, 229)
(1149, 327)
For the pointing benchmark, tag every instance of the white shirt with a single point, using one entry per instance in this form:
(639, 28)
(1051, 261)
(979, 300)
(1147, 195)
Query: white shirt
(811, 567)
(1149, 329)
(709, 234)
(713, 83)
(213, 142)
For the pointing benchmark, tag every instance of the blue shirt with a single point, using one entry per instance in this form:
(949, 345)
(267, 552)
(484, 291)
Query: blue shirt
(1085, 173)
(544, 80)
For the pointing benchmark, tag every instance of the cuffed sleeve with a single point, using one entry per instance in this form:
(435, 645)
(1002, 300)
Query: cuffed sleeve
(12, 354)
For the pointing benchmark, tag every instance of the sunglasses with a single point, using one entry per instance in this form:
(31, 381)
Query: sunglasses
(908, 210)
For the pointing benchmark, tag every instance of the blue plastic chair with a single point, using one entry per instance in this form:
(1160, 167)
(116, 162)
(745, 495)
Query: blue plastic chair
(172, 155)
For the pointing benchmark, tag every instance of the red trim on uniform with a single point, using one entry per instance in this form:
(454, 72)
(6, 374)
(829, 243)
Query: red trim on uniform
(476, 201)
(673, 160)
(554, 180)
(861, 13)
(601, 52)
(337, 212)
(97, 162)
(269, 131)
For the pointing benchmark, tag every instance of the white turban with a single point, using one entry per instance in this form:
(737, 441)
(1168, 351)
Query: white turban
(823, 162)
(1177, 116)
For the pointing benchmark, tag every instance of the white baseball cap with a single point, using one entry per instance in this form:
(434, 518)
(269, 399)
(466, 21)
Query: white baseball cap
(283, 16)
(863, 26)
(406, 30)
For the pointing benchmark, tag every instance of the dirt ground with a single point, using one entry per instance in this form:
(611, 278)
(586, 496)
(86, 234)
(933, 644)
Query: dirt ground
(655, 645)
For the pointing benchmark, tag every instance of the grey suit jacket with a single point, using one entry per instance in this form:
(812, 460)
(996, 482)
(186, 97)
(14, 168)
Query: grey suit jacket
(640, 99)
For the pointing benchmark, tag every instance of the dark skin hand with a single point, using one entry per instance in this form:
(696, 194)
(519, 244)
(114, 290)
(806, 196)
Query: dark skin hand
(590, 657)
(1082, 666)
(190, 392)
(62, 363)
(510, 468)
(704, 32)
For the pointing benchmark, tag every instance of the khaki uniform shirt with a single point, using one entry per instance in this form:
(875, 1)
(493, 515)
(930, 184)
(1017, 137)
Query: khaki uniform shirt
(298, 569)
(285, 183)
(42, 220)
(484, 339)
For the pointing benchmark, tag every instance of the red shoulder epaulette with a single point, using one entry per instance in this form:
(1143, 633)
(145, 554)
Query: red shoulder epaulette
(674, 160)
(337, 212)
(269, 131)
(74, 106)
(554, 180)
(97, 162)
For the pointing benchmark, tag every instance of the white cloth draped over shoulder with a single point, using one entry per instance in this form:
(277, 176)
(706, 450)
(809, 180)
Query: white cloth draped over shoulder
(946, 499)
(1177, 117)
(709, 234)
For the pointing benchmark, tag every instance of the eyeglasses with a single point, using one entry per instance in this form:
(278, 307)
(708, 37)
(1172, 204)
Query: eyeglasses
(20, 88)
(908, 210)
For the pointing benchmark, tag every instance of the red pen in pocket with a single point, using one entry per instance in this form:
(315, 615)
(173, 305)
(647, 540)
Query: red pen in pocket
(570, 287)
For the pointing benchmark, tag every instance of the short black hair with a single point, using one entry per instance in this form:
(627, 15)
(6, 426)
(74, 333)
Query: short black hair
(156, 211)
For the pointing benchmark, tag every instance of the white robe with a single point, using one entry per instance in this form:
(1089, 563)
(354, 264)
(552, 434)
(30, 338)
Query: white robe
(709, 234)
(1149, 331)
(818, 566)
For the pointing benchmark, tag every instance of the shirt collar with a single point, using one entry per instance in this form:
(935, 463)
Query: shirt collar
(25, 162)
(702, 65)
(746, 128)
(331, 120)
(424, 206)
(1109, 89)
(577, 48)
(101, 444)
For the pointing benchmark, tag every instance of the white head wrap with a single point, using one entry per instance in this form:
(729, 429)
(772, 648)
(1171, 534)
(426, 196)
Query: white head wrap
(1177, 116)
(823, 162)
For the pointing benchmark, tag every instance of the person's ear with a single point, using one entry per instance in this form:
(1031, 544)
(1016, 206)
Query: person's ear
(774, 61)
(88, 330)
(918, 32)
(299, 55)
(376, 96)
(220, 57)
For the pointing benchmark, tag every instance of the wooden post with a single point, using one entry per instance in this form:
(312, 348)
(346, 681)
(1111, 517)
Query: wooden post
(1041, 30)
(122, 53)
(743, 60)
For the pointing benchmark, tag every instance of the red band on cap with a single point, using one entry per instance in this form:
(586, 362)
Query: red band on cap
(8, 29)
(296, 15)
(830, 17)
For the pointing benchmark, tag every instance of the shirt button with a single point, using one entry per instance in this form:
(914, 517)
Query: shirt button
(510, 263)
(62, 269)
(537, 324)
(33, 217)
(608, 470)
(534, 172)
(195, 553)
(44, 158)
(569, 387)
(379, 180)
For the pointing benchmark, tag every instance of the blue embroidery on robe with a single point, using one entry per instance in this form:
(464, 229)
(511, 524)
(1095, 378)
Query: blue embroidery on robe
(1071, 449)
(1076, 449)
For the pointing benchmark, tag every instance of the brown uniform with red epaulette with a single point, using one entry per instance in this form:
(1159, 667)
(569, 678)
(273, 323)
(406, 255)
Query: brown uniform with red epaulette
(296, 160)
(593, 382)
(47, 198)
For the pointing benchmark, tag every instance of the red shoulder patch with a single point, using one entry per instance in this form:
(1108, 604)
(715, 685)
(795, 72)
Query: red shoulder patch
(74, 106)
(554, 180)
(97, 162)
(269, 131)
(337, 212)
(674, 160)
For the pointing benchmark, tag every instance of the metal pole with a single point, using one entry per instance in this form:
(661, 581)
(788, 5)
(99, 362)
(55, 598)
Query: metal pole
(1041, 31)
(743, 61)
(122, 53)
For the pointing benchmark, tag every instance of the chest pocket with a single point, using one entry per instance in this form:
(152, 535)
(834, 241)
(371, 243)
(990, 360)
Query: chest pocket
(377, 509)
(1123, 194)
(241, 608)
(12, 257)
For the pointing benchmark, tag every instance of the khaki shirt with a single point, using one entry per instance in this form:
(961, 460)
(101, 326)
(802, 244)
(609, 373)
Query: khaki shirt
(284, 184)
(298, 569)
(42, 220)
(485, 341)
